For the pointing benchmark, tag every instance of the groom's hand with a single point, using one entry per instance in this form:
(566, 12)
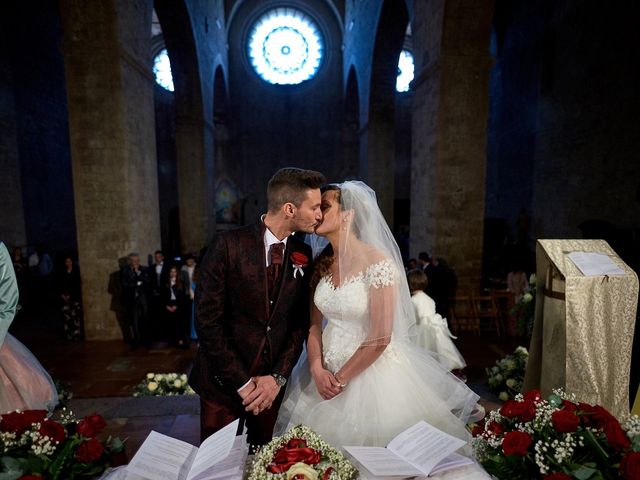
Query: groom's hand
(262, 396)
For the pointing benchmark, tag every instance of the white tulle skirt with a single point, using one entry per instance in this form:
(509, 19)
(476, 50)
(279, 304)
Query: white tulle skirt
(404, 385)
(24, 383)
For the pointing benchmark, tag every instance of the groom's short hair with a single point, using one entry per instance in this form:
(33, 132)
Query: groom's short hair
(290, 184)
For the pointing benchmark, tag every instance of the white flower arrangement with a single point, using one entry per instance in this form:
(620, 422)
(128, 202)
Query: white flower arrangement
(163, 384)
(506, 376)
(332, 464)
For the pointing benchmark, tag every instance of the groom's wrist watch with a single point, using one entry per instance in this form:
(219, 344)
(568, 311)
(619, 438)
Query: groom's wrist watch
(280, 380)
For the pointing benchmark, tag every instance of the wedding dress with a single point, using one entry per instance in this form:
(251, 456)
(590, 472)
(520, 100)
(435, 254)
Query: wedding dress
(371, 307)
(24, 383)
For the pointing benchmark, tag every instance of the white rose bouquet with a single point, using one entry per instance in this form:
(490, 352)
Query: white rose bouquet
(167, 384)
(506, 376)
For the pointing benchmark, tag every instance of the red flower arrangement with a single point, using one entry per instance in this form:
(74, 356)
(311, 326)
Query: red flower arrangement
(557, 439)
(33, 446)
(300, 454)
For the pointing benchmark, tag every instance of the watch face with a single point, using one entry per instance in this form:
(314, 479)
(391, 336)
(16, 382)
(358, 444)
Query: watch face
(280, 380)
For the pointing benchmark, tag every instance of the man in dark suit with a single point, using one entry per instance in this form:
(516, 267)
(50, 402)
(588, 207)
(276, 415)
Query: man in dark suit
(135, 283)
(252, 309)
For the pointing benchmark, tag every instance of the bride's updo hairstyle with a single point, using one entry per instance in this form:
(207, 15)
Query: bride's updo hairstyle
(323, 262)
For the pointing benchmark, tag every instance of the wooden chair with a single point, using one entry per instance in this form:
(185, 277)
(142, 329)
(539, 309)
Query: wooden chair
(503, 299)
(462, 315)
(486, 308)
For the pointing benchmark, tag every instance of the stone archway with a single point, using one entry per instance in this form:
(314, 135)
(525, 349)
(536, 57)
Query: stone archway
(379, 143)
(194, 130)
(351, 128)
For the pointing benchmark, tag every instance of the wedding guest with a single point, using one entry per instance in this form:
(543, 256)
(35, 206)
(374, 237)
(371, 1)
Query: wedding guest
(175, 301)
(71, 300)
(432, 330)
(135, 286)
(188, 273)
(24, 383)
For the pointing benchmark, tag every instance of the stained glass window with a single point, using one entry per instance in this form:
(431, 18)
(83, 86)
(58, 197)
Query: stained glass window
(405, 71)
(285, 47)
(162, 70)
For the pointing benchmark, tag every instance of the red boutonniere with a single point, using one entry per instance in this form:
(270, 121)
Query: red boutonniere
(299, 261)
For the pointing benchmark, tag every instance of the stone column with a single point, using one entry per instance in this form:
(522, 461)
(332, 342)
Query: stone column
(380, 153)
(12, 223)
(107, 48)
(450, 108)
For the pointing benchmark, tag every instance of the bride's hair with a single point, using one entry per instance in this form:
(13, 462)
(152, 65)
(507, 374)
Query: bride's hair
(324, 260)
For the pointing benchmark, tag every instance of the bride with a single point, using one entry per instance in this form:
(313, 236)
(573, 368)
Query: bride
(363, 382)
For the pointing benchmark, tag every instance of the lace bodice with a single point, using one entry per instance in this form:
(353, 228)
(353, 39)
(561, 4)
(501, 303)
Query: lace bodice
(346, 308)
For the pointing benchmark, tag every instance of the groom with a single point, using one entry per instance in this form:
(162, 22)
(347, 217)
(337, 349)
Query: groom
(252, 309)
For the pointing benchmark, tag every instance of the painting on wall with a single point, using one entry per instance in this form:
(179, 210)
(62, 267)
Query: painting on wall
(227, 201)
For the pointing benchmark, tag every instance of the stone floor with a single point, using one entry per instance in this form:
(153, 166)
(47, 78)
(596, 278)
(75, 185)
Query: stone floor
(102, 375)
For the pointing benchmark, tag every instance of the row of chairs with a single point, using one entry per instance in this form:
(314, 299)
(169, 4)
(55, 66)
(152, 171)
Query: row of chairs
(475, 312)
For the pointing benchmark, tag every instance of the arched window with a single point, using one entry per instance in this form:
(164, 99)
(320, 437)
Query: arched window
(285, 47)
(162, 70)
(405, 71)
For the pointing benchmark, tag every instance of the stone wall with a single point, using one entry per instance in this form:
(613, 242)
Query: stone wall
(35, 133)
(563, 132)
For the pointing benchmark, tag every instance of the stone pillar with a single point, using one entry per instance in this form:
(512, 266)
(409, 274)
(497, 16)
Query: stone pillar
(380, 153)
(107, 48)
(449, 120)
(12, 223)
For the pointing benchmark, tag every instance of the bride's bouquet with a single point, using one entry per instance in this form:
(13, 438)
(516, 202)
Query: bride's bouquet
(301, 454)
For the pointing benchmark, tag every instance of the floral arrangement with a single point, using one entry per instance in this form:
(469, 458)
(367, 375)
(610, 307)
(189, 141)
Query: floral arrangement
(163, 384)
(557, 439)
(506, 376)
(35, 446)
(301, 454)
(524, 310)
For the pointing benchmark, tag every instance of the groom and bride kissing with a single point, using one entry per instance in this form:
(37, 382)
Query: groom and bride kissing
(261, 298)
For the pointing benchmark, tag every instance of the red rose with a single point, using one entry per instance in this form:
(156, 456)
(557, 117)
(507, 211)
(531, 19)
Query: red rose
(524, 411)
(557, 476)
(516, 443)
(89, 451)
(533, 395)
(91, 425)
(287, 456)
(616, 436)
(297, 443)
(54, 430)
(30, 477)
(496, 428)
(299, 258)
(630, 466)
(477, 431)
(20, 422)
(565, 421)
(569, 406)
(327, 473)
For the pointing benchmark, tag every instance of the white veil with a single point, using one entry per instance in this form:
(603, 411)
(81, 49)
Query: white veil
(376, 255)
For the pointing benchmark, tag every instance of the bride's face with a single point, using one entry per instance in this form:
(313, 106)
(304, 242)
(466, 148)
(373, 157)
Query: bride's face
(331, 213)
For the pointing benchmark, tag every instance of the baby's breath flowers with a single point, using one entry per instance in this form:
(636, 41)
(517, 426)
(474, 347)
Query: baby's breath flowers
(323, 462)
(559, 437)
(166, 384)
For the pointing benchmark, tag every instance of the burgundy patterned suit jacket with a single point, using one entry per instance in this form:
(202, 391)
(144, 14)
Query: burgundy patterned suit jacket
(235, 330)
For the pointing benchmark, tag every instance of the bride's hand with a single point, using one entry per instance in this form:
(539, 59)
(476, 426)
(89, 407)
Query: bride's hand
(327, 385)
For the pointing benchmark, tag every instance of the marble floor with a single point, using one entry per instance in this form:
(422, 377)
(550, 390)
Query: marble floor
(102, 375)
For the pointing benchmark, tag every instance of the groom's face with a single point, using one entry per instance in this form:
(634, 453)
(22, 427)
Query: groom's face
(308, 214)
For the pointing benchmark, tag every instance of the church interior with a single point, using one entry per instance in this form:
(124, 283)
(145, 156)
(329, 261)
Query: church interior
(144, 125)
